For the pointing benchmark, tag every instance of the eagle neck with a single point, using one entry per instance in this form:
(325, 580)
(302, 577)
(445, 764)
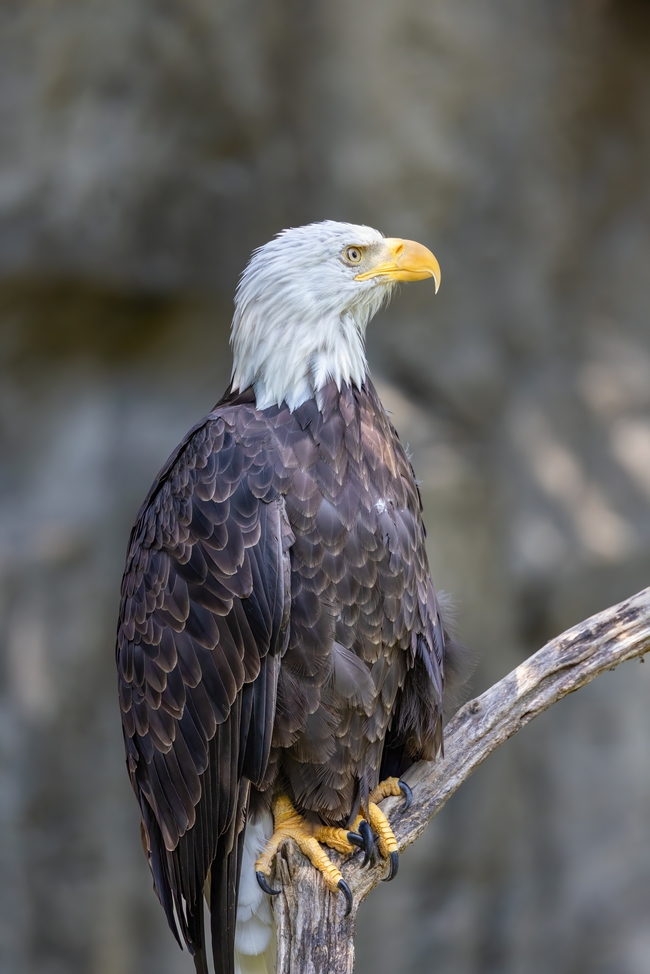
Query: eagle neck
(294, 363)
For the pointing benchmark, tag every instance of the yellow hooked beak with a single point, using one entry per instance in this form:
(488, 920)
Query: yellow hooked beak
(408, 261)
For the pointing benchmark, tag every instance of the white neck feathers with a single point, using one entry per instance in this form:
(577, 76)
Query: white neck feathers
(294, 361)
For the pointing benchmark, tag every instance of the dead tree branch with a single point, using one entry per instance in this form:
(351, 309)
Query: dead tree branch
(313, 935)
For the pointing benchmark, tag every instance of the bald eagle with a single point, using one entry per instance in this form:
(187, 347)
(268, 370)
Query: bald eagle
(280, 651)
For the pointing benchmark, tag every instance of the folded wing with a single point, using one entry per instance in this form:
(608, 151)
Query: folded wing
(203, 624)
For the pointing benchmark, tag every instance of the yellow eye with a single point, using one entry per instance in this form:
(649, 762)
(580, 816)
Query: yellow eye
(353, 255)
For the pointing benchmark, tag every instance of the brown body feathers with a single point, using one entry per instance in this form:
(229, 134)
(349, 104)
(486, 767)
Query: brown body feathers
(278, 628)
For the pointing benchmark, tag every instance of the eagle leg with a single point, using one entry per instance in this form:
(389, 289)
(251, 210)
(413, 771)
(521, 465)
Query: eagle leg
(374, 821)
(385, 837)
(288, 824)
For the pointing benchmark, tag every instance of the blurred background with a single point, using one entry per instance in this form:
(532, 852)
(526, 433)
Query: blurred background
(146, 146)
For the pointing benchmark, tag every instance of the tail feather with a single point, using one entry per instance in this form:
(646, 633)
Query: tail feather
(201, 961)
(223, 903)
(255, 964)
(254, 935)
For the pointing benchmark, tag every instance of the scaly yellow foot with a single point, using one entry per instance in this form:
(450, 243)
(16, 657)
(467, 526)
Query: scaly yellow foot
(374, 821)
(391, 786)
(288, 824)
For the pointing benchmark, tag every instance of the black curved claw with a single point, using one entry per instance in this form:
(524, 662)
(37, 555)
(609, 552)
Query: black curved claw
(406, 791)
(368, 841)
(261, 879)
(355, 839)
(394, 866)
(347, 892)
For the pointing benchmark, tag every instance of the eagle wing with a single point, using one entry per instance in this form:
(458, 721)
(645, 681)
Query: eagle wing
(203, 625)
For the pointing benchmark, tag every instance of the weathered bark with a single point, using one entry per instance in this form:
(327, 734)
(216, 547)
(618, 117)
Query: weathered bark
(313, 934)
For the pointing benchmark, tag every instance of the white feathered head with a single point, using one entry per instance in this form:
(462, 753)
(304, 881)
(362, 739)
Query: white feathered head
(303, 304)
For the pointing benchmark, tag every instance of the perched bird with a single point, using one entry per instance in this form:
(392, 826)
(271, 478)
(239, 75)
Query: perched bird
(280, 650)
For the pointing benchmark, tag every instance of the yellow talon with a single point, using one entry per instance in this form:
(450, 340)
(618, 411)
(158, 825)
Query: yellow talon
(334, 838)
(384, 789)
(378, 823)
(385, 836)
(290, 825)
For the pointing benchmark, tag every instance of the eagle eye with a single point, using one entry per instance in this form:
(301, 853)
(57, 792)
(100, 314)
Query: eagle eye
(353, 255)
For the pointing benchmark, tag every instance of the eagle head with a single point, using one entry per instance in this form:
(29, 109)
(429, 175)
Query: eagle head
(303, 304)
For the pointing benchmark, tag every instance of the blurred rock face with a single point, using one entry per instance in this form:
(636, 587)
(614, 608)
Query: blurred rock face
(146, 148)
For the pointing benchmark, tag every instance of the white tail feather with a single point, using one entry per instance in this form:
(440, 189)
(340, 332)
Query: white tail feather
(255, 929)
